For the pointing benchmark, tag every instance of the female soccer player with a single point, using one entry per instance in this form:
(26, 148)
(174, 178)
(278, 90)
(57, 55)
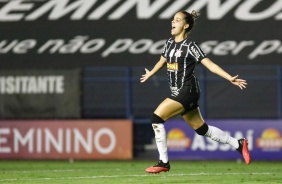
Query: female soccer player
(180, 55)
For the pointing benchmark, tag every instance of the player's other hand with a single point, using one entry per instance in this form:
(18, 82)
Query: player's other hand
(145, 76)
(241, 83)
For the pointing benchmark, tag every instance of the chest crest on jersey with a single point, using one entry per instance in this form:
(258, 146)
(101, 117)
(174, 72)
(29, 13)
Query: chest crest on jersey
(176, 53)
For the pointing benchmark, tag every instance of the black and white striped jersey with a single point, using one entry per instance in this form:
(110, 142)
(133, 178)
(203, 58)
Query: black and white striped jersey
(181, 59)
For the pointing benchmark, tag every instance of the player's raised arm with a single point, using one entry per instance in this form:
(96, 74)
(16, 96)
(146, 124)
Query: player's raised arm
(241, 83)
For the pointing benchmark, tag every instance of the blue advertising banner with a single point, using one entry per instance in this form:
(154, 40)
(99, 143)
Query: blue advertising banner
(264, 137)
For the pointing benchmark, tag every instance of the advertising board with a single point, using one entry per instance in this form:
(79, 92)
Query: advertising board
(67, 33)
(66, 139)
(264, 138)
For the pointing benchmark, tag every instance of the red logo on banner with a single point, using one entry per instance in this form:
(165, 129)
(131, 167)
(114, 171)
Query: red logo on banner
(177, 140)
(270, 140)
(85, 139)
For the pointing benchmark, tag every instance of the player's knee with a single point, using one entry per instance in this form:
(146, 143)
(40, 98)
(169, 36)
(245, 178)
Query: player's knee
(157, 124)
(155, 119)
(202, 130)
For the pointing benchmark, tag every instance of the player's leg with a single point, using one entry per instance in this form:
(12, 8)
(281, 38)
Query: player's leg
(168, 108)
(195, 120)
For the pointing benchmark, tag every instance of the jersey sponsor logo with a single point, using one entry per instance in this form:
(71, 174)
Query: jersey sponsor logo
(172, 66)
(31, 10)
(174, 91)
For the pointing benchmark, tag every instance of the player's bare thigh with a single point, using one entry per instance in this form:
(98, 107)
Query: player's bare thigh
(194, 118)
(169, 108)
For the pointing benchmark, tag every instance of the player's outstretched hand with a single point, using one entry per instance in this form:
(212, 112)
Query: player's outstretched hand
(241, 83)
(145, 76)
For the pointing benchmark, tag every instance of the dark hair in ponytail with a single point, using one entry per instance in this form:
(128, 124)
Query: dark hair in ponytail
(190, 19)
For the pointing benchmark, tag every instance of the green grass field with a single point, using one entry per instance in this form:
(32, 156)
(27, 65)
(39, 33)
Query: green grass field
(113, 172)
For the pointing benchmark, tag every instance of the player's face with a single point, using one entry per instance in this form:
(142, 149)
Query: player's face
(178, 24)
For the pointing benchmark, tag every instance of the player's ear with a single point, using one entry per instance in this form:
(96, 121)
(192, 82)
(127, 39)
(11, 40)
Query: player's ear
(186, 26)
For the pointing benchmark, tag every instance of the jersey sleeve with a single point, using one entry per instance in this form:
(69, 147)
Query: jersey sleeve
(196, 52)
(164, 52)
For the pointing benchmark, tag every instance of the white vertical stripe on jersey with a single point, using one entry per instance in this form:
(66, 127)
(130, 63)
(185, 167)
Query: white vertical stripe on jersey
(170, 41)
(170, 60)
(176, 78)
(167, 49)
(185, 66)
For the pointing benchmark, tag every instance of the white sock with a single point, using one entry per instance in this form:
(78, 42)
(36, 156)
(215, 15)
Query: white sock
(220, 136)
(160, 136)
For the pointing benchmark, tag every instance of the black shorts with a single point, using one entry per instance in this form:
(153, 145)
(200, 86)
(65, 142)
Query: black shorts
(188, 96)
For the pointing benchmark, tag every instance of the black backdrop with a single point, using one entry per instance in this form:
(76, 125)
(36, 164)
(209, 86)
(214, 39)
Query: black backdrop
(231, 32)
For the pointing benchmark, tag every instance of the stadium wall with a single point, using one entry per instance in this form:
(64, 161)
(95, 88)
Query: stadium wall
(111, 42)
(123, 140)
